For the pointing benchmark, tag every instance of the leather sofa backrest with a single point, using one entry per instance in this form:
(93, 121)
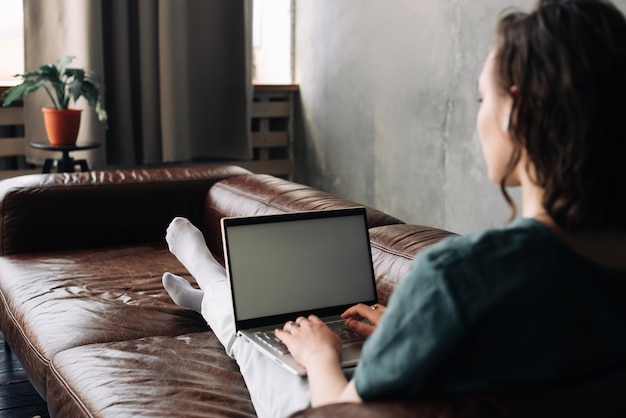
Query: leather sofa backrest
(262, 194)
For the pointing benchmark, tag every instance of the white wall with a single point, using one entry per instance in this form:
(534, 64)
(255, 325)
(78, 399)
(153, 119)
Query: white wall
(388, 102)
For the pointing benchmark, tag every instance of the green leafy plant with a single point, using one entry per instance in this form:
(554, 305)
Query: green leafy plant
(66, 84)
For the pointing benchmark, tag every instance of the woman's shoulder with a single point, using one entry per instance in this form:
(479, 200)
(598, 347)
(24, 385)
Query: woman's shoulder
(486, 268)
(517, 241)
(523, 261)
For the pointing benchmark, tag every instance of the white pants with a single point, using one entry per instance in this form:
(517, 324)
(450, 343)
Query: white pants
(274, 391)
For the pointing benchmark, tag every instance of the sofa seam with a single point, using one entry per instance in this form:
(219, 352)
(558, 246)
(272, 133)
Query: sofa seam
(51, 369)
(21, 330)
(125, 182)
(391, 251)
(252, 197)
(120, 184)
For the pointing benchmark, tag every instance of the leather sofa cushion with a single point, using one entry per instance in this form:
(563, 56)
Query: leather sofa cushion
(190, 375)
(262, 194)
(60, 300)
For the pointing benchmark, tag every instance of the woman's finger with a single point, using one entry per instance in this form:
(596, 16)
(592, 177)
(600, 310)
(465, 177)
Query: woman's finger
(281, 335)
(361, 328)
(354, 311)
(288, 326)
(361, 311)
(315, 319)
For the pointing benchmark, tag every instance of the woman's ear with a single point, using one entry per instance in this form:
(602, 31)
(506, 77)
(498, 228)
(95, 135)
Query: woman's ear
(507, 116)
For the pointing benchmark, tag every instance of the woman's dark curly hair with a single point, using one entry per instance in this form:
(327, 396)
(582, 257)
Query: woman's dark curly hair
(567, 59)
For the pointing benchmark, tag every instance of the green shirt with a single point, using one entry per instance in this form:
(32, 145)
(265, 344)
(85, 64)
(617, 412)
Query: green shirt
(493, 309)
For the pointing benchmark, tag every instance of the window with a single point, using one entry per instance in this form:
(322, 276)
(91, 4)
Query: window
(11, 42)
(271, 41)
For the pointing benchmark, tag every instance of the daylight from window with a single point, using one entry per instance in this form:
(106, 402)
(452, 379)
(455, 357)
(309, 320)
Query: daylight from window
(271, 40)
(11, 41)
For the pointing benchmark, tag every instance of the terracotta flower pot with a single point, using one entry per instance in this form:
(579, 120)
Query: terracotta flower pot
(62, 125)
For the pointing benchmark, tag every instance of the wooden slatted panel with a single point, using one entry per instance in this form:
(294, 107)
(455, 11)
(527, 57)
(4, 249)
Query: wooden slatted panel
(271, 130)
(5, 174)
(274, 167)
(271, 109)
(12, 146)
(11, 116)
(270, 139)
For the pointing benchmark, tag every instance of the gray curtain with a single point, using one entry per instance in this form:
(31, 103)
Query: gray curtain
(177, 74)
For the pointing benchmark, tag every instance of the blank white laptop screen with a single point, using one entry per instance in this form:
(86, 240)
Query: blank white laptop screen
(295, 265)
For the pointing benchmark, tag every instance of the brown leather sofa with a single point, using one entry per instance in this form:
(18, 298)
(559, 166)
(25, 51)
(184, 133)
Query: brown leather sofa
(82, 305)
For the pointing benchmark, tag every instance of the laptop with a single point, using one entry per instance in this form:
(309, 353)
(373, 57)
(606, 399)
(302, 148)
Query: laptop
(289, 265)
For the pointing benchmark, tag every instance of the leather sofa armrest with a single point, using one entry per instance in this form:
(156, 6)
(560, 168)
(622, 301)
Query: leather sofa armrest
(77, 210)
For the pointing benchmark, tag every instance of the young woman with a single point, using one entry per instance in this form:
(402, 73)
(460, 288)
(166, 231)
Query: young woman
(537, 301)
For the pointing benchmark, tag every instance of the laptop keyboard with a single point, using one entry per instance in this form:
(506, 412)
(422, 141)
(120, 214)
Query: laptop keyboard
(345, 334)
(269, 338)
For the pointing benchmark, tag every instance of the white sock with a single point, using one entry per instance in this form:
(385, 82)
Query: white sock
(182, 293)
(187, 243)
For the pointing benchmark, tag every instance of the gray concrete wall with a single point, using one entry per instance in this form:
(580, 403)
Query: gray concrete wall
(389, 102)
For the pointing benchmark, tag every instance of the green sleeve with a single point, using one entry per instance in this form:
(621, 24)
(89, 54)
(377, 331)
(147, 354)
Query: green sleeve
(417, 337)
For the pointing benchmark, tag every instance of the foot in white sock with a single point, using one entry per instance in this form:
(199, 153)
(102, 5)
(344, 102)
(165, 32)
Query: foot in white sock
(187, 243)
(182, 293)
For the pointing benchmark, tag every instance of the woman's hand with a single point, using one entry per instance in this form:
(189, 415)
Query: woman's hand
(318, 349)
(355, 315)
(310, 341)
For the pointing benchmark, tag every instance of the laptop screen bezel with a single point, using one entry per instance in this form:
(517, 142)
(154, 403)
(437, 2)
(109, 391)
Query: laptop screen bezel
(243, 324)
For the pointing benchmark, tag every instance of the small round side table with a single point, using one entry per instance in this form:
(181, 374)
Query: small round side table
(65, 164)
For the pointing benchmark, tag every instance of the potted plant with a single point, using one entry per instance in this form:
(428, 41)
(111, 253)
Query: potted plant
(63, 85)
